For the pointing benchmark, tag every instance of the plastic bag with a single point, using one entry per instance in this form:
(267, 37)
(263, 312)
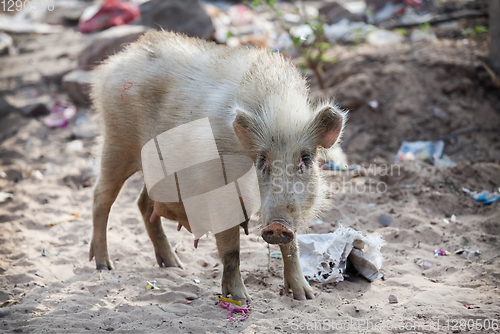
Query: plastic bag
(323, 257)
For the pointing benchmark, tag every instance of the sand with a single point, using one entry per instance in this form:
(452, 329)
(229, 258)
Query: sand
(45, 231)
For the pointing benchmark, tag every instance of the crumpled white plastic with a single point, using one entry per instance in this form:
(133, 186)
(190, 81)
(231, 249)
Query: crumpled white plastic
(323, 257)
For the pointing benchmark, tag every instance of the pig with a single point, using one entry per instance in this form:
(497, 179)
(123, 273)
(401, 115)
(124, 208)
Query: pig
(258, 106)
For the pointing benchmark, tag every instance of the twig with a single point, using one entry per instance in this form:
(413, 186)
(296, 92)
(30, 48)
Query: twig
(352, 135)
(440, 19)
(461, 147)
(268, 258)
(469, 130)
(493, 75)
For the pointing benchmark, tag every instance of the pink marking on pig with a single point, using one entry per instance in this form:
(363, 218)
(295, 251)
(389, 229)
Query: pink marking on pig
(125, 88)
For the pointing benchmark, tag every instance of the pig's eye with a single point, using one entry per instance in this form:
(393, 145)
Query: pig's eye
(305, 162)
(307, 159)
(262, 163)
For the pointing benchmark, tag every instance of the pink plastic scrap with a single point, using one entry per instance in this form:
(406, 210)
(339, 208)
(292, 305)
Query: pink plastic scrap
(60, 115)
(470, 306)
(111, 13)
(438, 252)
(414, 3)
(243, 310)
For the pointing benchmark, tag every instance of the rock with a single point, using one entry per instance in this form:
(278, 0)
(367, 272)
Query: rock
(184, 16)
(28, 107)
(64, 12)
(77, 85)
(384, 220)
(35, 109)
(393, 299)
(6, 45)
(6, 106)
(382, 38)
(107, 43)
(333, 12)
(363, 265)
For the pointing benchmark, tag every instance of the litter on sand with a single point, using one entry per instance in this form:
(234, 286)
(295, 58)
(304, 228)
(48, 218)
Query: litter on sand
(439, 252)
(429, 151)
(424, 264)
(13, 301)
(5, 196)
(276, 255)
(229, 301)
(484, 196)
(323, 257)
(73, 217)
(466, 252)
(61, 113)
(111, 13)
(151, 285)
(470, 306)
(243, 310)
(332, 165)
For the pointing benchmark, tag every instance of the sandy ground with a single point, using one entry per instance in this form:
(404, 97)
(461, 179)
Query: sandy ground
(62, 291)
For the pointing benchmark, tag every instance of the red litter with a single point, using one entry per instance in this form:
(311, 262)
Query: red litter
(111, 13)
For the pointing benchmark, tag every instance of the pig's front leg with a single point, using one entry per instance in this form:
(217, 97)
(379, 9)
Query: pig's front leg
(228, 243)
(294, 278)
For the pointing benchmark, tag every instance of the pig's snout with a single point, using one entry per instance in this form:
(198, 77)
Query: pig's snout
(277, 233)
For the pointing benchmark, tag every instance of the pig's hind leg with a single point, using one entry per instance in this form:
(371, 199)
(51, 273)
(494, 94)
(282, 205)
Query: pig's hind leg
(165, 256)
(228, 243)
(294, 278)
(115, 170)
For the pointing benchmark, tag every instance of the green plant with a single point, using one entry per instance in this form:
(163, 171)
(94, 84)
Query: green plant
(474, 32)
(481, 29)
(425, 27)
(401, 31)
(311, 48)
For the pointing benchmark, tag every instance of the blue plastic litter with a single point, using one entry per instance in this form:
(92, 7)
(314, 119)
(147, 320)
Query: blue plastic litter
(332, 165)
(429, 151)
(484, 196)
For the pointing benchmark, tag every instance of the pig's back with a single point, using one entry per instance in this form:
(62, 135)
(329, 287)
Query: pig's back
(174, 80)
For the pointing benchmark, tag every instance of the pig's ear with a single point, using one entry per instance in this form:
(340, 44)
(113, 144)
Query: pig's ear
(241, 126)
(327, 126)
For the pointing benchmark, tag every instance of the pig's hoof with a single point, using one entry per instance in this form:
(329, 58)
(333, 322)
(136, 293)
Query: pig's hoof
(102, 261)
(243, 299)
(301, 290)
(236, 289)
(104, 266)
(168, 260)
